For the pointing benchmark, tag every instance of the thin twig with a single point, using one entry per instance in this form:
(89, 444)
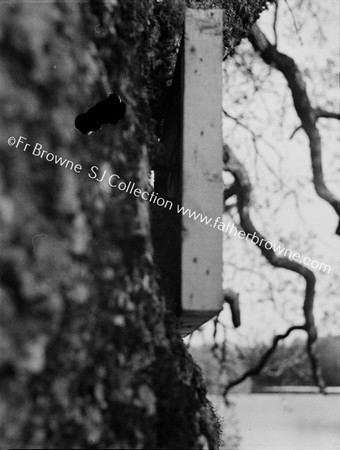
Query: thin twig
(275, 22)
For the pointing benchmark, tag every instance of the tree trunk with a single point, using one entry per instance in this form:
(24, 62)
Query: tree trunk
(89, 355)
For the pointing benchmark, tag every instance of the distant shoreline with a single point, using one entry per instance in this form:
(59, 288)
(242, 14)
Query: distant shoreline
(295, 390)
(330, 390)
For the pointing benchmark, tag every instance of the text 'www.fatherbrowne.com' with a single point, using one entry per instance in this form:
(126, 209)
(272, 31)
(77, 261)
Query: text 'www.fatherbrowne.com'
(113, 180)
(231, 229)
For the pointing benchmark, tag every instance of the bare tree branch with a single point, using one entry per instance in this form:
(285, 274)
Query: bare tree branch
(244, 188)
(241, 124)
(307, 114)
(322, 113)
(230, 192)
(254, 137)
(232, 298)
(294, 22)
(264, 359)
(295, 131)
(275, 22)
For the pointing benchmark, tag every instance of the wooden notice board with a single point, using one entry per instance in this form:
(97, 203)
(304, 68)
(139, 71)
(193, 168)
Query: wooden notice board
(192, 138)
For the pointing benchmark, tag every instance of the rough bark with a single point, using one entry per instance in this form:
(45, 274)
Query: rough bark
(89, 356)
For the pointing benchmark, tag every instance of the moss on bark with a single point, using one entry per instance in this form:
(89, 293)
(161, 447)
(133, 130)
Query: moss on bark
(89, 357)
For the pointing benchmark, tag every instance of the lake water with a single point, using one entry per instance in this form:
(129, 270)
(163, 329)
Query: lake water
(284, 421)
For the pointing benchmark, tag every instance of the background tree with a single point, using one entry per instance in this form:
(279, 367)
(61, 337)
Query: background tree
(280, 106)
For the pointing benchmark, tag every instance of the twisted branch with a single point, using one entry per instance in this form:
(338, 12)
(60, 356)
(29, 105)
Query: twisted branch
(304, 109)
(242, 188)
(263, 360)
